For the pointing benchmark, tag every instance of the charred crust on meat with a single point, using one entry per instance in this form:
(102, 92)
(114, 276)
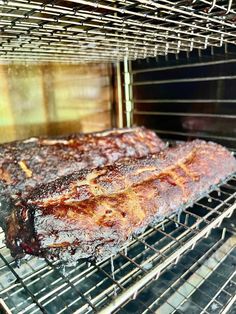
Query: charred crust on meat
(25, 164)
(93, 213)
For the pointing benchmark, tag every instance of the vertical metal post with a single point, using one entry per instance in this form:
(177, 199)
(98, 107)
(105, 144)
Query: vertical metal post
(128, 92)
(119, 96)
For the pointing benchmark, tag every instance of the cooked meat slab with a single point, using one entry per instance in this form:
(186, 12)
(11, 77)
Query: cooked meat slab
(93, 213)
(24, 164)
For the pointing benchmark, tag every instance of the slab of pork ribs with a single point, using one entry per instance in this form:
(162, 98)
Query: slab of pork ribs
(25, 164)
(93, 213)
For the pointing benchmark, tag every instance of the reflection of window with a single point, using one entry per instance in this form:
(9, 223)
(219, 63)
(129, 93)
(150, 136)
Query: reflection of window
(53, 99)
(26, 97)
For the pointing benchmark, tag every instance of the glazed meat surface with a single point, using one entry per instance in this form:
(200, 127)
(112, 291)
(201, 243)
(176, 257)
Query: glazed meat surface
(93, 213)
(24, 164)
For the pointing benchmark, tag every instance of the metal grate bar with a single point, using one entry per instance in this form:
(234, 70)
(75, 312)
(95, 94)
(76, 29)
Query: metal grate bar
(19, 280)
(207, 264)
(222, 289)
(84, 30)
(182, 66)
(228, 307)
(196, 135)
(195, 263)
(189, 114)
(186, 80)
(73, 287)
(184, 101)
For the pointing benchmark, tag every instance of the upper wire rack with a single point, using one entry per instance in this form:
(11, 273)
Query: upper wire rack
(109, 30)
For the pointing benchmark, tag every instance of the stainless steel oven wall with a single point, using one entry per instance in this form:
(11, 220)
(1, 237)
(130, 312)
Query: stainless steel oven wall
(186, 96)
(54, 99)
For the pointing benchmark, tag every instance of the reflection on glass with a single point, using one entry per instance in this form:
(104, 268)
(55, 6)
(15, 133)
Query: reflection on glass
(53, 100)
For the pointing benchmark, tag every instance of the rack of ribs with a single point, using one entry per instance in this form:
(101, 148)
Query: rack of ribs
(24, 164)
(93, 213)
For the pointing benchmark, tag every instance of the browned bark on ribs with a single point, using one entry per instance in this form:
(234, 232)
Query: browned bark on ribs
(24, 164)
(92, 213)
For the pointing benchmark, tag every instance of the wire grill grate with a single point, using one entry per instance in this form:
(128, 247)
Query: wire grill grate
(41, 286)
(86, 30)
(203, 281)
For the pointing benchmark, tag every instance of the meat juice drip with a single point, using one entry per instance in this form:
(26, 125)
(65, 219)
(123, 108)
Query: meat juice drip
(27, 257)
(176, 222)
(163, 226)
(18, 263)
(113, 274)
(179, 216)
(63, 270)
(191, 204)
(135, 295)
(112, 268)
(186, 219)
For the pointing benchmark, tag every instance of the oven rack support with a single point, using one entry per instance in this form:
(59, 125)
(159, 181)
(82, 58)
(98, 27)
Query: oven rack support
(129, 105)
(86, 30)
(174, 258)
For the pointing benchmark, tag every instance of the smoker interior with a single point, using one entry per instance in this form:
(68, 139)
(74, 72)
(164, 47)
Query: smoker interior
(183, 97)
(185, 263)
(171, 267)
(168, 66)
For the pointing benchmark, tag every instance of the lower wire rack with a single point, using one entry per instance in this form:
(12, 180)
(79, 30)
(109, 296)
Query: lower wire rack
(185, 263)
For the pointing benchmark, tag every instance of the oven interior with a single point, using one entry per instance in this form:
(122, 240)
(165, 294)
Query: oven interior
(83, 66)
